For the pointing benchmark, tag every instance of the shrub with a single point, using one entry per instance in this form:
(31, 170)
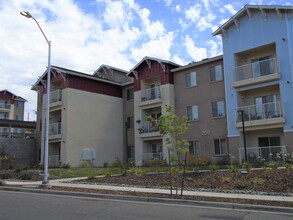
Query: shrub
(138, 171)
(66, 166)
(25, 176)
(247, 166)
(288, 166)
(86, 164)
(257, 180)
(213, 167)
(155, 163)
(226, 179)
(107, 172)
(234, 169)
(5, 176)
(241, 185)
(20, 168)
(91, 177)
(273, 165)
(197, 162)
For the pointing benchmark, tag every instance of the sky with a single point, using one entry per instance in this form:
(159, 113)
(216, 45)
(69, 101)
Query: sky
(85, 34)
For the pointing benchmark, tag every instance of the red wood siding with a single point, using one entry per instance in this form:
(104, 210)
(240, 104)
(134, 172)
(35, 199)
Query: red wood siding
(89, 85)
(7, 97)
(144, 72)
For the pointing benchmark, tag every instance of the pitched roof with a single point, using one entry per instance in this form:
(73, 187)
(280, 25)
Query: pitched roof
(15, 96)
(247, 10)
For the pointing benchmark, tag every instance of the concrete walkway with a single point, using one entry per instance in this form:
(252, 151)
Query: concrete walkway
(66, 183)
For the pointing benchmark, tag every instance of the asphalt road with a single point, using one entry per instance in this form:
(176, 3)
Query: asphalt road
(19, 205)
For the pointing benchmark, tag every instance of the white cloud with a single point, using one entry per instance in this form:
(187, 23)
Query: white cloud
(230, 8)
(215, 47)
(168, 2)
(178, 8)
(194, 52)
(193, 13)
(178, 60)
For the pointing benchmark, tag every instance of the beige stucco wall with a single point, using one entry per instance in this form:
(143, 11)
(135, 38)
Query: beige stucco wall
(89, 121)
(92, 121)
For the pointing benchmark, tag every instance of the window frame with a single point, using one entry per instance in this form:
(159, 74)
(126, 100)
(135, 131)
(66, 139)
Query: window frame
(187, 112)
(221, 147)
(129, 94)
(196, 148)
(188, 79)
(213, 73)
(218, 115)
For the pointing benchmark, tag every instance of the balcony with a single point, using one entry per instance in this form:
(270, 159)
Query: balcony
(55, 131)
(256, 72)
(149, 129)
(269, 115)
(150, 96)
(265, 154)
(55, 100)
(4, 107)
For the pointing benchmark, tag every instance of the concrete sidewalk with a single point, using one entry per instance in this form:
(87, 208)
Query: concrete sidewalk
(67, 183)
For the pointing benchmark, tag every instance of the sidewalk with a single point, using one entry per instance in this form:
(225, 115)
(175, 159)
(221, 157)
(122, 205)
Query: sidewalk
(66, 183)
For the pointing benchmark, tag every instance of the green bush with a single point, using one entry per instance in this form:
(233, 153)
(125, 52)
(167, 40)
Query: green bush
(273, 165)
(25, 176)
(86, 164)
(197, 162)
(247, 166)
(107, 172)
(241, 185)
(66, 166)
(257, 180)
(138, 171)
(234, 169)
(213, 167)
(20, 168)
(226, 179)
(288, 166)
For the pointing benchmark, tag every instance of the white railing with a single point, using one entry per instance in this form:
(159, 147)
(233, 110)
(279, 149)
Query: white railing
(55, 129)
(54, 160)
(56, 96)
(260, 112)
(152, 156)
(255, 69)
(263, 154)
(24, 135)
(150, 94)
(148, 127)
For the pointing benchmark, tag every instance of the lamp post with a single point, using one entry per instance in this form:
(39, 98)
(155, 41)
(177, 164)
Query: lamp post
(241, 112)
(46, 148)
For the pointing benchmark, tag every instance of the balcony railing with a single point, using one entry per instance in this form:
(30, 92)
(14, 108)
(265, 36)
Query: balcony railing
(4, 105)
(260, 112)
(264, 154)
(152, 156)
(148, 127)
(55, 129)
(56, 96)
(151, 94)
(255, 69)
(54, 161)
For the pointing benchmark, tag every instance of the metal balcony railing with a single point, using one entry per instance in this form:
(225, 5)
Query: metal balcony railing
(56, 96)
(148, 127)
(54, 161)
(150, 94)
(264, 154)
(54, 129)
(152, 156)
(255, 69)
(260, 112)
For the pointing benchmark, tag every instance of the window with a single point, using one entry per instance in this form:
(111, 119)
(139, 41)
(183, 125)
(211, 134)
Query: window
(262, 66)
(192, 113)
(218, 109)
(194, 148)
(191, 79)
(18, 117)
(130, 122)
(220, 146)
(19, 104)
(216, 73)
(129, 94)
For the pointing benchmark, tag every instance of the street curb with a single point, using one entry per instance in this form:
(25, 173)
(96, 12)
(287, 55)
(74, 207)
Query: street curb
(224, 205)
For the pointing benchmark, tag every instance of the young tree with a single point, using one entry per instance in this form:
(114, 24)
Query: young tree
(171, 126)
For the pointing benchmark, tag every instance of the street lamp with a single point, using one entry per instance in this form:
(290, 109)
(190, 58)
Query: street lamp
(46, 149)
(241, 112)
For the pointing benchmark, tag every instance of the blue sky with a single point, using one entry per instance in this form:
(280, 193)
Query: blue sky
(88, 33)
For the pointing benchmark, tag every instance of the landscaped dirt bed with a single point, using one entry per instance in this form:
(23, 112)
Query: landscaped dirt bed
(274, 182)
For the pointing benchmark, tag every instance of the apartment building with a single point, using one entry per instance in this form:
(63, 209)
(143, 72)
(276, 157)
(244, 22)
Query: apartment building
(86, 120)
(153, 90)
(11, 108)
(258, 66)
(199, 93)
